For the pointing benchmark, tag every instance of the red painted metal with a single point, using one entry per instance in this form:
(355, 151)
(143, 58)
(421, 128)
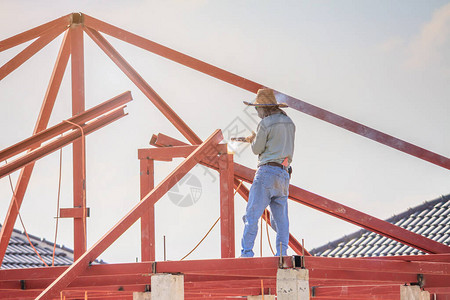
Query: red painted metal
(37, 139)
(253, 87)
(148, 218)
(33, 33)
(29, 51)
(162, 140)
(234, 276)
(166, 153)
(348, 291)
(377, 265)
(143, 86)
(60, 142)
(79, 164)
(41, 124)
(83, 262)
(227, 247)
(430, 257)
(339, 268)
(74, 212)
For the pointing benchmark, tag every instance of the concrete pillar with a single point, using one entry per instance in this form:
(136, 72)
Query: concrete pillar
(410, 292)
(292, 284)
(142, 296)
(425, 295)
(167, 287)
(259, 297)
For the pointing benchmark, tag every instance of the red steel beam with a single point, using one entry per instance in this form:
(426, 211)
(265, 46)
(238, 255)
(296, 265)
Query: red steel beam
(227, 240)
(60, 142)
(143, 86)
(253, 87)
(33, 33)
(162, 140)
(37, 139)
(41, 124)
(29, 51)
(342, 291)
(130, 218)
(377, 265)
(430, 258)
(148, 219)
(332, 270)
(79, 148)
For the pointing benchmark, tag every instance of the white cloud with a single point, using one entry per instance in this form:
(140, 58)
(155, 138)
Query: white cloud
(430, 45)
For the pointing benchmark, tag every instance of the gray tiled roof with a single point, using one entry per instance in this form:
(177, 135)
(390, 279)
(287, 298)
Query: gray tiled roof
(20, 254)
(431, 219)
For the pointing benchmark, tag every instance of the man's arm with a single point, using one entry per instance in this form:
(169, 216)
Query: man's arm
(259, 142)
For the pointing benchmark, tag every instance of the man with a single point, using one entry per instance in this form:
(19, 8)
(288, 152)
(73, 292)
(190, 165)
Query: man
(274, 145)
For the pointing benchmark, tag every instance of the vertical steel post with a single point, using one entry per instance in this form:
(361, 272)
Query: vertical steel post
(148, 218)
(78, 106)
(226, 171)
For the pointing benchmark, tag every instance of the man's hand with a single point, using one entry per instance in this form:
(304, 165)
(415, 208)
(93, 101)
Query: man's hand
(250, 138)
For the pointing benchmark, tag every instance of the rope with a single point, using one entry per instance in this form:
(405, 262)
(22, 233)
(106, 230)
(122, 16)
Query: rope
(198, 244)
(83, 162)
(21, 221)
(57, 207)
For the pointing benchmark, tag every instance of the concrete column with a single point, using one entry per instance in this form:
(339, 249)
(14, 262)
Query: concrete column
(292, 284)
(167, 287)
(259, 297)
(142, 296)
(424, 295)
(410, 292)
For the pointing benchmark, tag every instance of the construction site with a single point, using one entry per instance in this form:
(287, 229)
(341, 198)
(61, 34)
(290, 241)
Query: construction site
(307, 274)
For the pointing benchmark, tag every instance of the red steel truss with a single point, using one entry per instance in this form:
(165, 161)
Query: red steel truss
(330, 278)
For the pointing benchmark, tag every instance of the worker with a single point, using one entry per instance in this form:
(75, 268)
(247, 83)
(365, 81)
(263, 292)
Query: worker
(273, 142)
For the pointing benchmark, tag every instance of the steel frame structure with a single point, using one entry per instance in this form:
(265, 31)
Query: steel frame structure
(224, 278)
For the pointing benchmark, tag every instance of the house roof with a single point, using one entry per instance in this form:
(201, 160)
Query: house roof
(431, 219)
(20, 254)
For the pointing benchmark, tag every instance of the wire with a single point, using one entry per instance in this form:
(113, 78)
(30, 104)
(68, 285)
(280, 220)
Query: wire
(57, 207)
(83, 162)
(215, 223)
(20, 218)
(198, 244)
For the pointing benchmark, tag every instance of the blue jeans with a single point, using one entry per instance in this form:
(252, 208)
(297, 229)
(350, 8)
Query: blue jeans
(270, 187)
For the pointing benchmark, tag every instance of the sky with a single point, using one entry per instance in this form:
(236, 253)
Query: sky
(385, 64)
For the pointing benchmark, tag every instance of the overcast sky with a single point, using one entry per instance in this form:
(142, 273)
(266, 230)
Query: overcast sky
(385, 64)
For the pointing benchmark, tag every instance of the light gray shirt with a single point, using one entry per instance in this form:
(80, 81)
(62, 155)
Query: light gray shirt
(274, 139)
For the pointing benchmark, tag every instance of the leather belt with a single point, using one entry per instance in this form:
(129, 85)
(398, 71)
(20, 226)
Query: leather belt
(271, 163)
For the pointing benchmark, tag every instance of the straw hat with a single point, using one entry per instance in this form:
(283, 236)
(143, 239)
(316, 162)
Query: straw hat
(265, 97)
